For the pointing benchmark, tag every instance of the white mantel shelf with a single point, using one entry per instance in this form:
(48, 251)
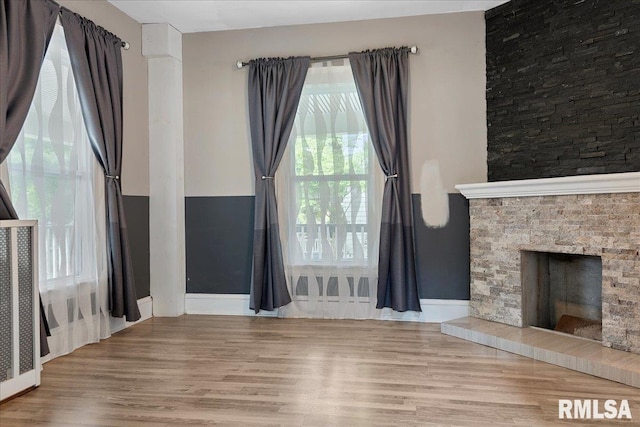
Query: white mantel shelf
(582, 184)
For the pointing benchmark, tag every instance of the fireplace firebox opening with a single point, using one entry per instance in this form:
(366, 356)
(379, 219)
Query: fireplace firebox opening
(562, 292)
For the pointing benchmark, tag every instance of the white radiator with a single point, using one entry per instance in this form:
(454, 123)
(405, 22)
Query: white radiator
(19, 307)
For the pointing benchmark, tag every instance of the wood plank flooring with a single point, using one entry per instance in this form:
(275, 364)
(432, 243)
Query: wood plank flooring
(242, 371)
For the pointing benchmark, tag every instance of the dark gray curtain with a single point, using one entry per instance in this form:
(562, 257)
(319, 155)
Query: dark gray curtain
(382, 78)
(25, 31)
(275, 86)
(97, 67)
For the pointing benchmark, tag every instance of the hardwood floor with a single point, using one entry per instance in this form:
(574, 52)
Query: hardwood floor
(223, 370)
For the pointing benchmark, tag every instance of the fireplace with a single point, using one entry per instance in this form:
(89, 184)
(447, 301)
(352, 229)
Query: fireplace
(562, 292)
(523, 231)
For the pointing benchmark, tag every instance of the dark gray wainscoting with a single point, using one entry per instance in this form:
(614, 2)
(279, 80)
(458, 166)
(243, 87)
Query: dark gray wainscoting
(219, 239)
(442, 254)
(136, 209)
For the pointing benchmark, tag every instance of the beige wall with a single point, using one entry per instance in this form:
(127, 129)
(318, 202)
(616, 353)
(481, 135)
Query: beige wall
(135, 163)
(447, 103)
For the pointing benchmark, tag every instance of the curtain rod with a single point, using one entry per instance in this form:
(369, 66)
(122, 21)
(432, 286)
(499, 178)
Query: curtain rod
(241, 64)
(123, 44)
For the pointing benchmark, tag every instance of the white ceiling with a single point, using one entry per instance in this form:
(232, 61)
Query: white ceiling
(190, 16)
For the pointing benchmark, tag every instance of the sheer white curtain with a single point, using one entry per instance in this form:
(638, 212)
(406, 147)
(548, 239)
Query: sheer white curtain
(55, 179)
(329, 195)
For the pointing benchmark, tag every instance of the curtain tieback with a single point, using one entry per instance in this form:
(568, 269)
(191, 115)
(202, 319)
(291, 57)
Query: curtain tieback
(266, 177)
(395, 175)
(112, 177)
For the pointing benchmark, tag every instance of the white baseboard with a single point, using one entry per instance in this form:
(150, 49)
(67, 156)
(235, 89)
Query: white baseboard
(223, 304)
(145, 305)
(433, 310)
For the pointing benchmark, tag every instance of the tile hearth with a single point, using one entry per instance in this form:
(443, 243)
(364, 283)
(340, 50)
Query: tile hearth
(574, 353)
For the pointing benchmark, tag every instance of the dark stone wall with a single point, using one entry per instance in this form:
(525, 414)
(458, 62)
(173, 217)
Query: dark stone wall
(563, 88)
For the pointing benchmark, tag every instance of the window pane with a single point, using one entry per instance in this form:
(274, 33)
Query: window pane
(329, 179)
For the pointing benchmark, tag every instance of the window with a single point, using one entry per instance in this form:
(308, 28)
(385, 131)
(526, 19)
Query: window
(53, 177)
(329, 190)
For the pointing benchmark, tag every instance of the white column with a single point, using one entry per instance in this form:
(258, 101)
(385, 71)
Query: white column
(162, 45)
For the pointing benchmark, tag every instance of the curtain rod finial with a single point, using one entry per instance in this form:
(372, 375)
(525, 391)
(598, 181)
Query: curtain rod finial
(239, 64)
(414, 49)
(126, 45)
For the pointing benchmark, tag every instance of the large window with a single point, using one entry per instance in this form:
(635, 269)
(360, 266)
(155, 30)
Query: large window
(329, 191)
(53, 177)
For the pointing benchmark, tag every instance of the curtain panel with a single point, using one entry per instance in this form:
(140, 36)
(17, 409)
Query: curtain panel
(382, 79)
(274, 86)
(97, 66)
(25, 31)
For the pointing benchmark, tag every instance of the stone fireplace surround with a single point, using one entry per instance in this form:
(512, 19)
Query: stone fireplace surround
(590, 215)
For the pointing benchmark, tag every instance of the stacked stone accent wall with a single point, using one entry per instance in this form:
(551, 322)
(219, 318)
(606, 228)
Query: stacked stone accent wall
(605, 225)
(563, 91)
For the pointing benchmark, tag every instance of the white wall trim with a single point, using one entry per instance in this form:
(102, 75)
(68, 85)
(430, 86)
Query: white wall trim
(583, 184)
(145, 305)
(433, 310)
(223, 304)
